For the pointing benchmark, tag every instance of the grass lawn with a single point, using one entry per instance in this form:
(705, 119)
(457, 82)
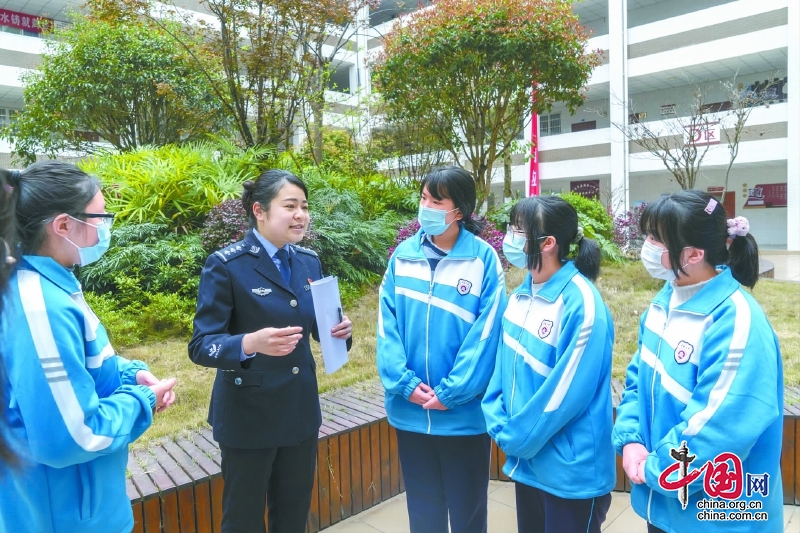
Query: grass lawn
(627, 290)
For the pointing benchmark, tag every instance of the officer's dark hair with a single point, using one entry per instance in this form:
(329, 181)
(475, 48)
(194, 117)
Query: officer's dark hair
(265, 189)
(7, 249)
(458, 185)
(44, 190)
(695, 218)
(543, 216)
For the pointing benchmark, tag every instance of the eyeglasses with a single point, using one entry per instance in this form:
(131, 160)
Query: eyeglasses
(108, 218)
(519, 234)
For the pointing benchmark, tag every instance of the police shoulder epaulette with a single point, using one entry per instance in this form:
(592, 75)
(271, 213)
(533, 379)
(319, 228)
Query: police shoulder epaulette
(308, 251)
(234, 250)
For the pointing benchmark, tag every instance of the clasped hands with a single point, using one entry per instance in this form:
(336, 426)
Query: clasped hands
(634, 457)
(162, 388)
(278, 342)
(423, 395)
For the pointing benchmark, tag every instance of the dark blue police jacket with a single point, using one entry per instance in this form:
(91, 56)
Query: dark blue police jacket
(263, 402)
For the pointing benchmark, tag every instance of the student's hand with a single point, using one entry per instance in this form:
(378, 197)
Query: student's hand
(163, 390)
(272, 341)
(434, 403)
(634, 456)
(145, 377)
(343, 330)
(421, 394)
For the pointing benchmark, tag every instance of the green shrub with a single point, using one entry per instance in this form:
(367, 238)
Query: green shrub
(225, 224)
(146, 258)
(151, 317)
(175, 185)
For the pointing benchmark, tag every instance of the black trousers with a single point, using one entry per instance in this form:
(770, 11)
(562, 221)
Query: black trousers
(445, 476)
(279, 477)
(541, 512)
(653, 529)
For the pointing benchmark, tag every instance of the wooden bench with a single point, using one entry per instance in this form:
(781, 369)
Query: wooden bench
(176, 486)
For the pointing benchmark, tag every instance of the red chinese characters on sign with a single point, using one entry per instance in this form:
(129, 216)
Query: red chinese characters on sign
(703, 134)
(723, 477)
(24, 21)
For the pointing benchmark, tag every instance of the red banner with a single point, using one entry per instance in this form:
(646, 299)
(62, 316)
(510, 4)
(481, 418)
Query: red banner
(25, 22)
(767, 195)
(534, 185)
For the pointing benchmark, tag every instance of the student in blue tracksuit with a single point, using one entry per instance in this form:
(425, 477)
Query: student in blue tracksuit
(707, 379)
(548, 405)
(438, 325)
(7, 262)
(72, 404)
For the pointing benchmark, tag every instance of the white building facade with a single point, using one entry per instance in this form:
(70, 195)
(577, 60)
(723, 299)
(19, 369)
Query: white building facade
(652, 49)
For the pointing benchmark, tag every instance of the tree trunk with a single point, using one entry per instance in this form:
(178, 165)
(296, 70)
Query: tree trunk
(507, 174)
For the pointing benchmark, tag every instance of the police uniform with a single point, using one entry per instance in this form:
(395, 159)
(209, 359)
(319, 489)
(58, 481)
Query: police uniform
(264, 410)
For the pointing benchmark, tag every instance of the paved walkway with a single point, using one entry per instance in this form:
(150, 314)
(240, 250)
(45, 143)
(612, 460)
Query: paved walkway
(787, 264)
(391, 516)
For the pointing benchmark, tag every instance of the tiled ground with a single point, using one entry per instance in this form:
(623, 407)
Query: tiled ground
(391, 516)
(787, 264)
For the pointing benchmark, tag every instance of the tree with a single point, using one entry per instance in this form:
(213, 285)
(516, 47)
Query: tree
(251, 57)
(466, 68)
(328, 26)
(681, 143)
(125, 84)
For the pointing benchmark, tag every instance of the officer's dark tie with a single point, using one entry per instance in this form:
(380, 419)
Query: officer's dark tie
(285, 269)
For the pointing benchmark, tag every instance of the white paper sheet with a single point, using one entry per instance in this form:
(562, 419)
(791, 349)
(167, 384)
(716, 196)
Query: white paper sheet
(327, 308)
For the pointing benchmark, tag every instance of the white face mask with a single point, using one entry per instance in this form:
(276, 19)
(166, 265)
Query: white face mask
(651, 258)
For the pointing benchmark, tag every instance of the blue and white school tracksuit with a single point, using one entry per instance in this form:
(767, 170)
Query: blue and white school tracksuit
(72, 406)
(548, 405)
(440, 326)
(440, 329)
(707, 372)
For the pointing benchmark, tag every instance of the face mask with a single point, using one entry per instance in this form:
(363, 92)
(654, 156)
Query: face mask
(432, 221)
(651, 258)
(513, 248)
(90, 254)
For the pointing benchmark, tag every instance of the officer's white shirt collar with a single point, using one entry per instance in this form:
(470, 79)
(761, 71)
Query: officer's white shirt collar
(269, 247)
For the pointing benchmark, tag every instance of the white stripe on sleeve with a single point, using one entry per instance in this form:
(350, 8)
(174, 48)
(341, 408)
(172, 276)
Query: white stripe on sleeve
(30, 289)
(741, 331)
(577, 353)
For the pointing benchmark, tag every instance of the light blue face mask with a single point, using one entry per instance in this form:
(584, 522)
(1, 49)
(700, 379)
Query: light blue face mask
(90, 254)
(514, 250)
(432, 221)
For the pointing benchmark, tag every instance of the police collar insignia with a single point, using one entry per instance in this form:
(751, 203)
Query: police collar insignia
(261, 291)
(463, 286)
(254, 249)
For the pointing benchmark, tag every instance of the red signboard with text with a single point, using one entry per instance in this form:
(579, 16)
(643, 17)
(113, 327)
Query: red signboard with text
(767, 195)
(24, 21)
(534, 185)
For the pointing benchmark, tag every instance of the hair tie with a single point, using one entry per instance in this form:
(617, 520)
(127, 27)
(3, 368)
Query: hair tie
(14, 177)
(578, 236)
(738, 227)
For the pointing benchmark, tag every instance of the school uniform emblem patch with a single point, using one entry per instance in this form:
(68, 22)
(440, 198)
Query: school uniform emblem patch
(463, 286)
(683, 352)
(545, 328)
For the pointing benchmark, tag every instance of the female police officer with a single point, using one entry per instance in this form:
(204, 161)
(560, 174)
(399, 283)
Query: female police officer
(254, 317)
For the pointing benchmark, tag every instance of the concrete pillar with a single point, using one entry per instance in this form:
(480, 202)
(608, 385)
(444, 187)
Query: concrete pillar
(793, 140)
(618, 101)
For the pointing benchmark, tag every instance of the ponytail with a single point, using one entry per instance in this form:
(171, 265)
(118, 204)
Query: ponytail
(743, 252)
(587, 261)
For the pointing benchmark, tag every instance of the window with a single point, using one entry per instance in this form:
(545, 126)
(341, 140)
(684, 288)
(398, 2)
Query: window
(6, 116)
(549, 124)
